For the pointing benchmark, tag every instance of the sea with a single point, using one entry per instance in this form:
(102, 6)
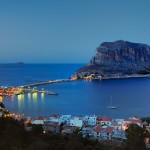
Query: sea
(80, 98)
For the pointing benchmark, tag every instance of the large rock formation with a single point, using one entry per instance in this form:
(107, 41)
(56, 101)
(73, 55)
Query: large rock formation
(118, 59)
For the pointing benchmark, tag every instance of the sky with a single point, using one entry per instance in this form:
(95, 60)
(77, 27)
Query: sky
(68, 31)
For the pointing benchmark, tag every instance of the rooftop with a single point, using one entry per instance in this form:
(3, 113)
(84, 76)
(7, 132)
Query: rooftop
(103, 118)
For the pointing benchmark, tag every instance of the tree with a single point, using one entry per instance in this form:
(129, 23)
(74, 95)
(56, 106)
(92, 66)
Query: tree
(37, 129)
(135, 137)
(2, 105)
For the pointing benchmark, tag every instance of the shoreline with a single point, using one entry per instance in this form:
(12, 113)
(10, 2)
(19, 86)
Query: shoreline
(126, 77)
(118, 77)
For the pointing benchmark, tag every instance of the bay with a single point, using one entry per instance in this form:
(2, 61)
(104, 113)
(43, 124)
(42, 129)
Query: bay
(131, 95)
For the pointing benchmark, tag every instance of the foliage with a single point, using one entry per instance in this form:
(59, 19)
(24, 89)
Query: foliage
(2, 105)
(147, 119)
(135, 137)
(6, 112)
(15, 137)
(37, 129)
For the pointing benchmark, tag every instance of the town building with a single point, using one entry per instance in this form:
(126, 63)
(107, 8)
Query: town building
(76, 121)
(90, 120)
(131, 120)
(102, 120)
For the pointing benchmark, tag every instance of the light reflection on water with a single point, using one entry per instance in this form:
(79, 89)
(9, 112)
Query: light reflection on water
(29, 103)
(29, 96)
(42, 96)
(34, 96)
(21, 102)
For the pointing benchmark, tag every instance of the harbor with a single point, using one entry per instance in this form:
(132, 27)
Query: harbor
(29, 88)
(74, 97)
(15, 91)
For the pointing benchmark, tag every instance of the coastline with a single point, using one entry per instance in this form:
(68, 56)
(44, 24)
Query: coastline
(126, 77)
(69, 80)
(118, 77)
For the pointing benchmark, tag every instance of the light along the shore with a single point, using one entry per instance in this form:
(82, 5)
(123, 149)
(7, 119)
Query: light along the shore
(45, 82)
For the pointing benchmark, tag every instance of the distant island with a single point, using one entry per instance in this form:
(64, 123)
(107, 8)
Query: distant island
(9, 64)
(119, 59)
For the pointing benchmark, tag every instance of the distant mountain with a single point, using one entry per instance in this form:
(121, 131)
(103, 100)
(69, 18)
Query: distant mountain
(10, 64)
(118, 59)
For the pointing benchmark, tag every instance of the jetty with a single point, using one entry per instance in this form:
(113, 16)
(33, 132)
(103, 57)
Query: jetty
(45, 82)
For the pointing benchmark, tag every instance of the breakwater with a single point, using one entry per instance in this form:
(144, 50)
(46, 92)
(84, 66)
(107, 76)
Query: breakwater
(45, 82)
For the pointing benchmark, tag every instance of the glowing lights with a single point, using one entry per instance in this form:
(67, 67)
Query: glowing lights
(13, 115)
(20, 97)
(44, 132)
(1, 99)
(8, 91)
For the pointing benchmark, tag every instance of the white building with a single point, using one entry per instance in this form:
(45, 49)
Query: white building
(76, 121)
(90, 120)
(37, 122)
(54, 118)
(65, 119)
(117, 123)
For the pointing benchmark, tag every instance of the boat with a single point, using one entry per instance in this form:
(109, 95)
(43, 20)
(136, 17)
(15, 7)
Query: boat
(19, 93)
(51, 93)
(112, 106)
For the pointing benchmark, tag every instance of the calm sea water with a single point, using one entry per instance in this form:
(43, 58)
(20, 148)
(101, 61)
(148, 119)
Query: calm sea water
(132, 96)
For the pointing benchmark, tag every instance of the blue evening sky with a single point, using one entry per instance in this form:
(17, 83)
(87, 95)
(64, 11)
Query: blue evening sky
(68, 31)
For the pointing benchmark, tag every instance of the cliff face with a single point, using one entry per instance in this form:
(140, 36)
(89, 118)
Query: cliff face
(118, 59)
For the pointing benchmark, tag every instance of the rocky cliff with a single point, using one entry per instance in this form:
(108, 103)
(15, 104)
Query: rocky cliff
(118, 59)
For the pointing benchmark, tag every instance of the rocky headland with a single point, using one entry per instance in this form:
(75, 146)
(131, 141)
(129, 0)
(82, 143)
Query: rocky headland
(119, 59)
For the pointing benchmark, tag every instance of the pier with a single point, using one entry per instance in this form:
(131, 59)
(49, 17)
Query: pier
(45, 82)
